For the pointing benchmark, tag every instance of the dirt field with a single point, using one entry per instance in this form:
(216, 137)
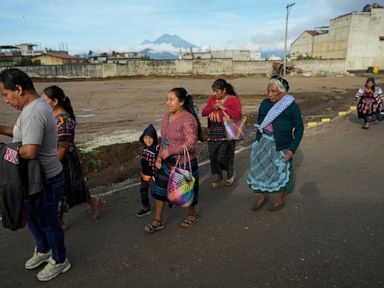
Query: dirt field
(112, 113)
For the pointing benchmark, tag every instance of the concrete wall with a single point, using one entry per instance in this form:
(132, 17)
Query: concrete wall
(317, 66)
(213, 67)
(302, 45)
(364, 47)
(354, 37)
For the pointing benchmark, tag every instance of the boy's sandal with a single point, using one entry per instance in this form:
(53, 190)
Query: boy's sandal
(190, 221)
(150, 228)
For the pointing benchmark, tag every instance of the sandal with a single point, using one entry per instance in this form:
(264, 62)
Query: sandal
(190, 221)
(230, 181)
(150, 228)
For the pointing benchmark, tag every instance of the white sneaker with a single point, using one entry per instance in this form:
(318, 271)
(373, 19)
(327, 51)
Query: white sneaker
(51, 270)
(37, 259)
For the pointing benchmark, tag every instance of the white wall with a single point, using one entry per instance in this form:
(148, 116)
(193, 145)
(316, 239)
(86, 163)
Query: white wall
(364, 47)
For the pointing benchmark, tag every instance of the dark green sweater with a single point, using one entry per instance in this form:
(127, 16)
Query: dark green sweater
(288, 127)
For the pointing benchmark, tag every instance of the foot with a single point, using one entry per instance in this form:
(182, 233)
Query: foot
(52, 270)
(218, 183)
(260, 202)
(190, 221)
(143, 212)
(154, 226)
(365, 126)
(37, 259)
(230, 180)
(96, 206)
(279, 204)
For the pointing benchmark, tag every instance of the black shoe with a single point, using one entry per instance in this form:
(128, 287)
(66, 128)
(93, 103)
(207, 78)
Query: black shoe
(143, 212)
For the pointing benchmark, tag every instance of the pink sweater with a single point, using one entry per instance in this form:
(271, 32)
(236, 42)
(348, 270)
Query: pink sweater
(180, 132)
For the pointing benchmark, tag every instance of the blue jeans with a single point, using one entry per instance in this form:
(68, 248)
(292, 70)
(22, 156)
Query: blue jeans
(42, 219)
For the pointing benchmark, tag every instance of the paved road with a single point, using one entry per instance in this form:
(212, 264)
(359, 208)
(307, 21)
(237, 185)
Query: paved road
(329, 235)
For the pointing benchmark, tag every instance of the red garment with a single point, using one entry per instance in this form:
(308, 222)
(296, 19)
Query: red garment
(232, 108)
(180, 132)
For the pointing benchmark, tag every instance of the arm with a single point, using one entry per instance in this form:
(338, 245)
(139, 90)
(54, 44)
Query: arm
(208, 107)
(7, 131)
(299, 130)
(29, 151)
(233, 108)
(62, 149)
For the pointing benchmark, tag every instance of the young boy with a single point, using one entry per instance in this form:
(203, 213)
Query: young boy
(148, 158)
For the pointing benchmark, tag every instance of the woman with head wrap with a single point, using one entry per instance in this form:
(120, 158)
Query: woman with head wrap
(279, 132)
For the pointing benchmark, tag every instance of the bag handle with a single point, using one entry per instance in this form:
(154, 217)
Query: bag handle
(185, 155)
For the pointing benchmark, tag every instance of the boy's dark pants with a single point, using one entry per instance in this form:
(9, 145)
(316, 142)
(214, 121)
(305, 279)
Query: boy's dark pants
(144, 193)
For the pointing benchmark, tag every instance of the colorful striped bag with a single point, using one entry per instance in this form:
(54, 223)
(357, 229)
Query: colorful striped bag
(235, 129)
(181, 182)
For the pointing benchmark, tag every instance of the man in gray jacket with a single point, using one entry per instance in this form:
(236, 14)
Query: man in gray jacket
(36, 130)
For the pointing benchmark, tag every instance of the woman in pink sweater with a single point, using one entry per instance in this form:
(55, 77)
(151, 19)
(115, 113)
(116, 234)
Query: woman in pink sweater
(221, 149)
(180, 128)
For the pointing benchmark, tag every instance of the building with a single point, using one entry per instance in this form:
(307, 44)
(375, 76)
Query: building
(57, 59)
(236, 55)
(124, 57)
(9, 55)
(28, 49)
(357, 37)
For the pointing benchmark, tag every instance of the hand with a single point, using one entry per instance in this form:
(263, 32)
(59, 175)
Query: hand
(164, 154)
(158, 163)
(216, 106)
(288, 155)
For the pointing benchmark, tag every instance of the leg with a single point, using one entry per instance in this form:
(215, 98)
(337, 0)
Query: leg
(231, 157)
(261, 200)
(213, 148)
(46, 211)
(157, 222)
(279, 203)
(192, 217)
(144, 191)
(41, 241)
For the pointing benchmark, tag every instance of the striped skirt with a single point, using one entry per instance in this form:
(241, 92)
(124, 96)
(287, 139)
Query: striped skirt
(76, 188)
(268, 172)
(162, 176)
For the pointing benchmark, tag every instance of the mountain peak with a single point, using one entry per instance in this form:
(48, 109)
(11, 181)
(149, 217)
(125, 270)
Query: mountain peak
(174, 40)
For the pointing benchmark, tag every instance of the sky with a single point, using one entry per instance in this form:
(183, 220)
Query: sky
(122, 25)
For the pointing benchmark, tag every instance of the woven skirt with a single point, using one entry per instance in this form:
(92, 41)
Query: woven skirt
(76, 188)
(268, 172)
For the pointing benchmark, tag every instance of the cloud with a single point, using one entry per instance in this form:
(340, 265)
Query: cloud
(164, 47)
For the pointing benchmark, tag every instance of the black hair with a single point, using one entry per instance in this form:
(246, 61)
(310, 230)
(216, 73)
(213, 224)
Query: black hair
(55, 92)
(221, 84)
(370, 79)
(183, 96)
(15, 77)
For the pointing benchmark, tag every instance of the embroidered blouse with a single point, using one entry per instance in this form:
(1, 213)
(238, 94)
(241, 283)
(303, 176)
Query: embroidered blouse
(65, 128)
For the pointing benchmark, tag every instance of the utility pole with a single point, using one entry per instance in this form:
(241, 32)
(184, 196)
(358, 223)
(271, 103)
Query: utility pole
(289, 8)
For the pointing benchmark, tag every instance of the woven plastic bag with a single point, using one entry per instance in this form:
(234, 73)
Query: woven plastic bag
(235, 129)
(181, 182)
